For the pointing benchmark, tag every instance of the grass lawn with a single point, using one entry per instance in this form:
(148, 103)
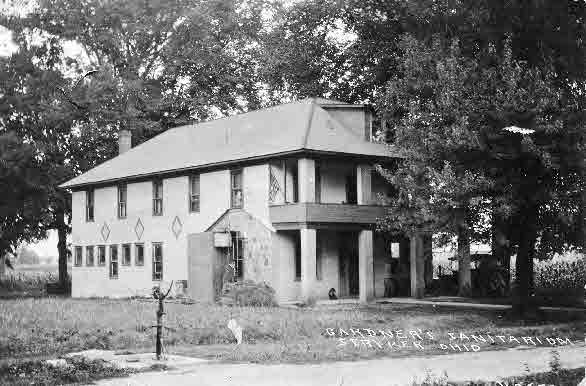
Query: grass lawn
(40, 327)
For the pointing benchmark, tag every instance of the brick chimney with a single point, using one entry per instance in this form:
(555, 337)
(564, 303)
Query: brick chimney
(124, 141)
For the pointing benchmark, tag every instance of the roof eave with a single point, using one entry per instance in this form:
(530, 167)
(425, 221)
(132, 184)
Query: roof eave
(217, 165)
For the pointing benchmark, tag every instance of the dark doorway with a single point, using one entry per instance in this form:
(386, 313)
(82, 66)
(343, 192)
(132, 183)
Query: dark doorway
(348, 264)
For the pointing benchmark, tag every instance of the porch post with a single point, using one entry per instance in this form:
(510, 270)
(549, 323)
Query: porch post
(364, 184)
(306, 179)
(365, 266)
(308, 261)
(417, 266)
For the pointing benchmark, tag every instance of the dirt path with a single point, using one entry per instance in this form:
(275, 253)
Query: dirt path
(487, 365)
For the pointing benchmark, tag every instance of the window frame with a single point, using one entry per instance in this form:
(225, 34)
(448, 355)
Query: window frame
(88, 249)
(157, 199)
(114, 247)
(90, 199)
(233, 189)
(154, 262)
(237, 254)
(101, 263)
(122, 205)
(124, 262)
(194, 197)
(78, 256)
(136, 262)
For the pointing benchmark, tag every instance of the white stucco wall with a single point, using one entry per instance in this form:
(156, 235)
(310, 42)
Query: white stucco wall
(133, 280)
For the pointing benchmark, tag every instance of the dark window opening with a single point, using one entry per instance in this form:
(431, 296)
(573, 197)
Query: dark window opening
(122, 196)
(297, 255)
(351, 189)
(157, 261)
(101, 255)
(78, 256)
(139, 254)
(157, 197)
(89, 256)
(237, 199)
(237, 255)
(194, 193)
(126, 254)
(113, 262)
(89, 205)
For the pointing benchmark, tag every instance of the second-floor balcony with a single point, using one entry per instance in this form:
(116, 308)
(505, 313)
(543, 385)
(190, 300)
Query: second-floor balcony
(291, 215)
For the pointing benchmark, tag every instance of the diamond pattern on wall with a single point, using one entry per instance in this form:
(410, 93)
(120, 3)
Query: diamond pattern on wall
(105, 231)
(176, 227)
(139, 229)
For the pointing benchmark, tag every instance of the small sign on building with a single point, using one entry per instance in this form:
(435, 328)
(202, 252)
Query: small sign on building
(222, 239)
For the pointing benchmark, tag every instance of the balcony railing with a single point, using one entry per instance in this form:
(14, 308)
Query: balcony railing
(326, 213)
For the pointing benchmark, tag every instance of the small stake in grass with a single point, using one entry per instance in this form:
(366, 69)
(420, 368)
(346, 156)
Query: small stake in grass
(236, 330)
(157, 294)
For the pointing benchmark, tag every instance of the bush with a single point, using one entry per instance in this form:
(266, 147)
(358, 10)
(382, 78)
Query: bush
(249, 293)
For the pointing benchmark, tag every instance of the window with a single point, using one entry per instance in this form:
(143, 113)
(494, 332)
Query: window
(238, 255)
(139, 254)
(194, 193)
(89, 256)
(157, 261)
(157, 197)
(236, 188)
(78, 256)
(126, 254)
(122, 195)
(89, 205)
(113, 261)
(351, 189)
(297, 255)
(101, 255)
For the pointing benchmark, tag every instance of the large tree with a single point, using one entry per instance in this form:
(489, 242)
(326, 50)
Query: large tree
(153, 65)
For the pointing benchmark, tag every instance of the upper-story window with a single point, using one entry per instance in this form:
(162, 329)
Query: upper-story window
(122, 199)
(157, 197)
(89, 205)
(236, 188)
(194, 193)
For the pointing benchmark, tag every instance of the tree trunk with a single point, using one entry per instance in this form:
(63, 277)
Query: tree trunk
(62, 248)
(500, 248)
(428, 256)
(464, 276)
(522, 303)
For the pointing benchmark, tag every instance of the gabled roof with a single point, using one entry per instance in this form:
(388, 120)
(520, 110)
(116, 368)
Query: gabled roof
(282, 129)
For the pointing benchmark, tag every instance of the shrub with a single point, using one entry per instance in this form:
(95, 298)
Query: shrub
(249, 293)
(561, 281)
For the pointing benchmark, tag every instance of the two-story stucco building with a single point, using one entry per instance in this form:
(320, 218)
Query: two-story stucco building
(286, 195)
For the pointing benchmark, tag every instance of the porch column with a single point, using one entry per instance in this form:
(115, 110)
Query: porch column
(417, 266)
(365, 266)
(364, 184)
(308, 261)
(306, 179)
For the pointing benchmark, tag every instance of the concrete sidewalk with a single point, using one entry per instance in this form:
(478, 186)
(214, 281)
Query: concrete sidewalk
(487, 365)
(445, 302)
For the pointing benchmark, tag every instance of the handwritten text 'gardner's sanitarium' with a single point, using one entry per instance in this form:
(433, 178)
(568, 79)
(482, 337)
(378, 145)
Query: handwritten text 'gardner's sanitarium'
(419, 339)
